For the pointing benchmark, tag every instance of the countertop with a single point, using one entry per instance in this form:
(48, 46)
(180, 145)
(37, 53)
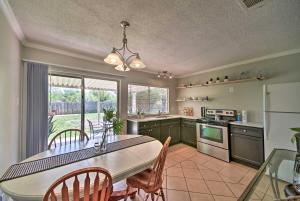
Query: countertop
(157, 118)
(251, 124)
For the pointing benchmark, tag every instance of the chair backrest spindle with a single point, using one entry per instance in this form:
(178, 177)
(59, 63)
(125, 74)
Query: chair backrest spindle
(68, 136)
(95, 194)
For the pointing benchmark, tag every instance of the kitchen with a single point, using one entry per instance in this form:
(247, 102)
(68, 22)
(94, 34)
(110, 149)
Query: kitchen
(204, 95)
(244, 101)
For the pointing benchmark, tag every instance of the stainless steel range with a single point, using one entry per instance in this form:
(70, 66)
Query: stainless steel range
(213, 134)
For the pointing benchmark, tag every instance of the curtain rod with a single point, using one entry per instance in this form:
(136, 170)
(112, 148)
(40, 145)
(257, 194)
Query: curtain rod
(75, 68)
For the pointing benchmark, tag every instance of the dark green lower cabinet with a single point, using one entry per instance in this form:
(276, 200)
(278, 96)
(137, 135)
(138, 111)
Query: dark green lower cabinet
(175, 134)
(180, 130)
(188, 134)
(152, 132)
(164, 133)
(170, 130)
(155, 133)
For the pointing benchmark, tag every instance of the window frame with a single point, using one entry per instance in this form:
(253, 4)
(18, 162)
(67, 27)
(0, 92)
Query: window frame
(149, 86)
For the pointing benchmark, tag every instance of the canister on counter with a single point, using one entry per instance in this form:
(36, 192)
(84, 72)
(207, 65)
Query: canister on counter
(244, 116)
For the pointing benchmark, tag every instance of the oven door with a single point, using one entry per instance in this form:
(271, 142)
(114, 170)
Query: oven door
(213, 135)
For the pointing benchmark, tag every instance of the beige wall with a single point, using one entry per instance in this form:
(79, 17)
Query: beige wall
(245, 96)
(98, 68)
(9, 94)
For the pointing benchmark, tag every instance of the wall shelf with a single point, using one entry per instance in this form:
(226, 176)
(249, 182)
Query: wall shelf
(221, 83)
(200, 99)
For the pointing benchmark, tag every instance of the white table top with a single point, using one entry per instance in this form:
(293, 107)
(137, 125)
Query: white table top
(121, 164)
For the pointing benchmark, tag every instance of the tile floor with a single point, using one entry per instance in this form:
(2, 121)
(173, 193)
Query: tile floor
(192, 176)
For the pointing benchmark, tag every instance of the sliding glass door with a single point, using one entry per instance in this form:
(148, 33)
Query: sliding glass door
(78, 102)
(99, 94)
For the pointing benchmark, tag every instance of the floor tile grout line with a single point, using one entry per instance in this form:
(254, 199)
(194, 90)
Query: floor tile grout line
(190, 158)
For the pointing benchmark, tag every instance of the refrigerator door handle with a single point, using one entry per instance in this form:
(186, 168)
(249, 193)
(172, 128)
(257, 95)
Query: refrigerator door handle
(266, 114)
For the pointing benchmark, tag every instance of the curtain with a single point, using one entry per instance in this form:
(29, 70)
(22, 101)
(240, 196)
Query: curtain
(37, 108)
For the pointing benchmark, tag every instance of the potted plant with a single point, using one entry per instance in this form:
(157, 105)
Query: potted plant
(51, 127)
(296, 137)
(111, 122)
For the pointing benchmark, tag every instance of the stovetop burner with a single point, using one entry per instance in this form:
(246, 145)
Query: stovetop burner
(218, 117)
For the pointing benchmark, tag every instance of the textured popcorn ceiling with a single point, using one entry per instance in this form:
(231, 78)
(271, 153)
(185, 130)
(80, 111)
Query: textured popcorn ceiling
(181, 36)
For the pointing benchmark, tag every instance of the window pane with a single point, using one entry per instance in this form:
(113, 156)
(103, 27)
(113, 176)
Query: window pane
(158, 100)
(64, 110)
(138, 99)
(147, 99)
(99, 94)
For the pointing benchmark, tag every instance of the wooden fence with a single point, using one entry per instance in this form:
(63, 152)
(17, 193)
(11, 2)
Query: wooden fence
(61, 108)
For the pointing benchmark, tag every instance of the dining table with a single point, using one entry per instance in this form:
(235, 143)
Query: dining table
(121, 164)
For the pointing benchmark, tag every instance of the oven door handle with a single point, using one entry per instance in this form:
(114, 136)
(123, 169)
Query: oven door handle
(214, 126)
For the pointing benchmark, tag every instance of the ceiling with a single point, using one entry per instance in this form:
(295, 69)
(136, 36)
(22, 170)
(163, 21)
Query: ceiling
(181, 36)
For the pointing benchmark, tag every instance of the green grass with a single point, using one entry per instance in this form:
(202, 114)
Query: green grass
(63, 122)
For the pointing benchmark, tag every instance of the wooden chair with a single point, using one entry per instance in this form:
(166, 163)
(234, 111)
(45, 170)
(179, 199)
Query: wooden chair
(151, 179)
(67, 137)
(102, 185)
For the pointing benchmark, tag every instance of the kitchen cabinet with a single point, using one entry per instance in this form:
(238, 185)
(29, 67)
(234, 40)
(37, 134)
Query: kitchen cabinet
(170, 127)
(180, 129)
(247, 145)
(150, 128)
(188, 132)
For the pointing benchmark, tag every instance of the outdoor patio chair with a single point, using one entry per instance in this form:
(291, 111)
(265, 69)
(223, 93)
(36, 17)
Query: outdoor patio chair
(94, 130)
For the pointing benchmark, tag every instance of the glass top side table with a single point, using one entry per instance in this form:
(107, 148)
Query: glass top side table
(271, 179)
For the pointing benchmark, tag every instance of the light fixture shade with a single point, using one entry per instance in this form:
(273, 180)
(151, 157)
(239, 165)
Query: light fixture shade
(137, 63)
(113, 59)
(122, 68)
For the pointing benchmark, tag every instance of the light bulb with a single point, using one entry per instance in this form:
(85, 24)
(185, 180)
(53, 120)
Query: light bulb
(137, 63)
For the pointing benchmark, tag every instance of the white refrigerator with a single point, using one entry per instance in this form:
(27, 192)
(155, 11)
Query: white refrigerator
(281, 112)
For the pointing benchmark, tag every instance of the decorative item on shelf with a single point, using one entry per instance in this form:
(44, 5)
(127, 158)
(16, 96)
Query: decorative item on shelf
(260, 76)
(210, 81)
(226, 79)
(244, 75)
(204, 98)
(218, 80)
(165, 74)
(117, 56)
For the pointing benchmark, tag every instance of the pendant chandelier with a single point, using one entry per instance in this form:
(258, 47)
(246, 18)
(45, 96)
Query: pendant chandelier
(165, 75)
(118, 57)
